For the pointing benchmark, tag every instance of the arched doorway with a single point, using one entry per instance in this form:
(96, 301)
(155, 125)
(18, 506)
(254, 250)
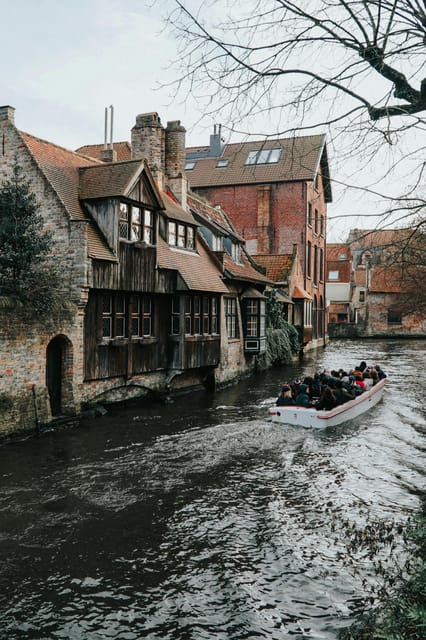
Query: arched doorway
(59, 357)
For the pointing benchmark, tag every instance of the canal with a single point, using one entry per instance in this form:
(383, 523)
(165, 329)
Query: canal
(199, 519)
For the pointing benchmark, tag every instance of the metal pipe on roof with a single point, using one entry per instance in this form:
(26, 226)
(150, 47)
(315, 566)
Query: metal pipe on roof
(111, 124)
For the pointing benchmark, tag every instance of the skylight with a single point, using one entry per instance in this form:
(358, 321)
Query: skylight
(263, 156)
(189, 165)
(223, 162)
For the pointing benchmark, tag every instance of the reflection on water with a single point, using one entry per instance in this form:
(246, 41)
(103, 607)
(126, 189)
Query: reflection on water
(201, 519)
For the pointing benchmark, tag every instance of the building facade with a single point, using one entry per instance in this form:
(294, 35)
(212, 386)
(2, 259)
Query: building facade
(144, 291)
(276, 193)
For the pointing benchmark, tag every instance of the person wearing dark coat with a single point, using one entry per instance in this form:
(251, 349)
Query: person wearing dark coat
(327, 400)
(285, 397)
(341, 394)
(302, 399)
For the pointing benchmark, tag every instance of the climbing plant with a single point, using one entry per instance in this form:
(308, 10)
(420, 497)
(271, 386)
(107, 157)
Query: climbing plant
(282, 340)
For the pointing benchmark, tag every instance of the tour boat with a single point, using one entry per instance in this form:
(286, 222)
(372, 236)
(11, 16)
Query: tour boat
(311, 418)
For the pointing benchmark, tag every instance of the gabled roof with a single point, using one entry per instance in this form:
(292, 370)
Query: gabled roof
(213, 217)
(196, 269)
(277, 267)
(61, 167)
(377, 238)
(335, 250)
(243, 270)
(115, 179)
(94, 150)
(174, 210)
(300, 159)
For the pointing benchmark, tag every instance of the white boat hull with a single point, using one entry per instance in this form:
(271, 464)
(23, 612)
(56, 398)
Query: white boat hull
(311, 418)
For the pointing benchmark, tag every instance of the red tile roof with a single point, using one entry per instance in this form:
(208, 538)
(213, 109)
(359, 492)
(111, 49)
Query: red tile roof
(61, 169)
(335, 250)
(243, 270)
(277, 266)
(94, 150)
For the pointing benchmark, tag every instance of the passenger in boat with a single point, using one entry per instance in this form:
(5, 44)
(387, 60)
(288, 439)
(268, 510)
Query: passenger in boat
(327, 400)
(302, 399)
(368, 380)
(380, 372)
(285, 397)
(362, 367)
(342, 394)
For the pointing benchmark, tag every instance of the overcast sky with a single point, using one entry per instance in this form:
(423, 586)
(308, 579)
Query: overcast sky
(64, 61)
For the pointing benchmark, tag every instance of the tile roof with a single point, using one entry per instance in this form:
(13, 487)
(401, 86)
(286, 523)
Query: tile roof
(334, 250)
(196, 269)
(108, 180)
(377, 238)
(243, 270)
(299, 160)
(174, 210)
(277, 266)
(94, 150)
(61, 169)
(215, 216)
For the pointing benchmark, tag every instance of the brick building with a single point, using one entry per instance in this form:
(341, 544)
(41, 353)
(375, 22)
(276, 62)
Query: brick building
(372, 288)
(145, 292)
(276, 193)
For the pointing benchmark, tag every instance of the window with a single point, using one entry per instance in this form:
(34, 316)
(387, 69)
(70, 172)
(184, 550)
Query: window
(148, 228)
(236, 252)
(136, 223)
(141, 316)
(175, 315)
(333, 275)
(315, 265)
(394, 317)
(190, 244)
(322, 225)
(189, 165)
(362, 296)
(217, 243)
(254, 318)
(115, 309)
(113, 316)
(263, 156)
(316, 221)
(200, 315)
(308, 259)
(342, 256)
(171, 236)
(180, 235)
(231, 315)
(309, 214)
(223, 162)
(321, 265)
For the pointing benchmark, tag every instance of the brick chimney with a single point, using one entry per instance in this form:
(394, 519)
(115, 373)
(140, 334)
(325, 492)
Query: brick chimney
(175, 160)
(148, 142)
(7, 113)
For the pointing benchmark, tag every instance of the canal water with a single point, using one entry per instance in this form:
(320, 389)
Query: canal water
(199, 519)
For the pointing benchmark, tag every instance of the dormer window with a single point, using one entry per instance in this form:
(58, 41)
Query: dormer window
(263, 156)
(180, 235)
(217, 243)
(236, 252)
(136, 224)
